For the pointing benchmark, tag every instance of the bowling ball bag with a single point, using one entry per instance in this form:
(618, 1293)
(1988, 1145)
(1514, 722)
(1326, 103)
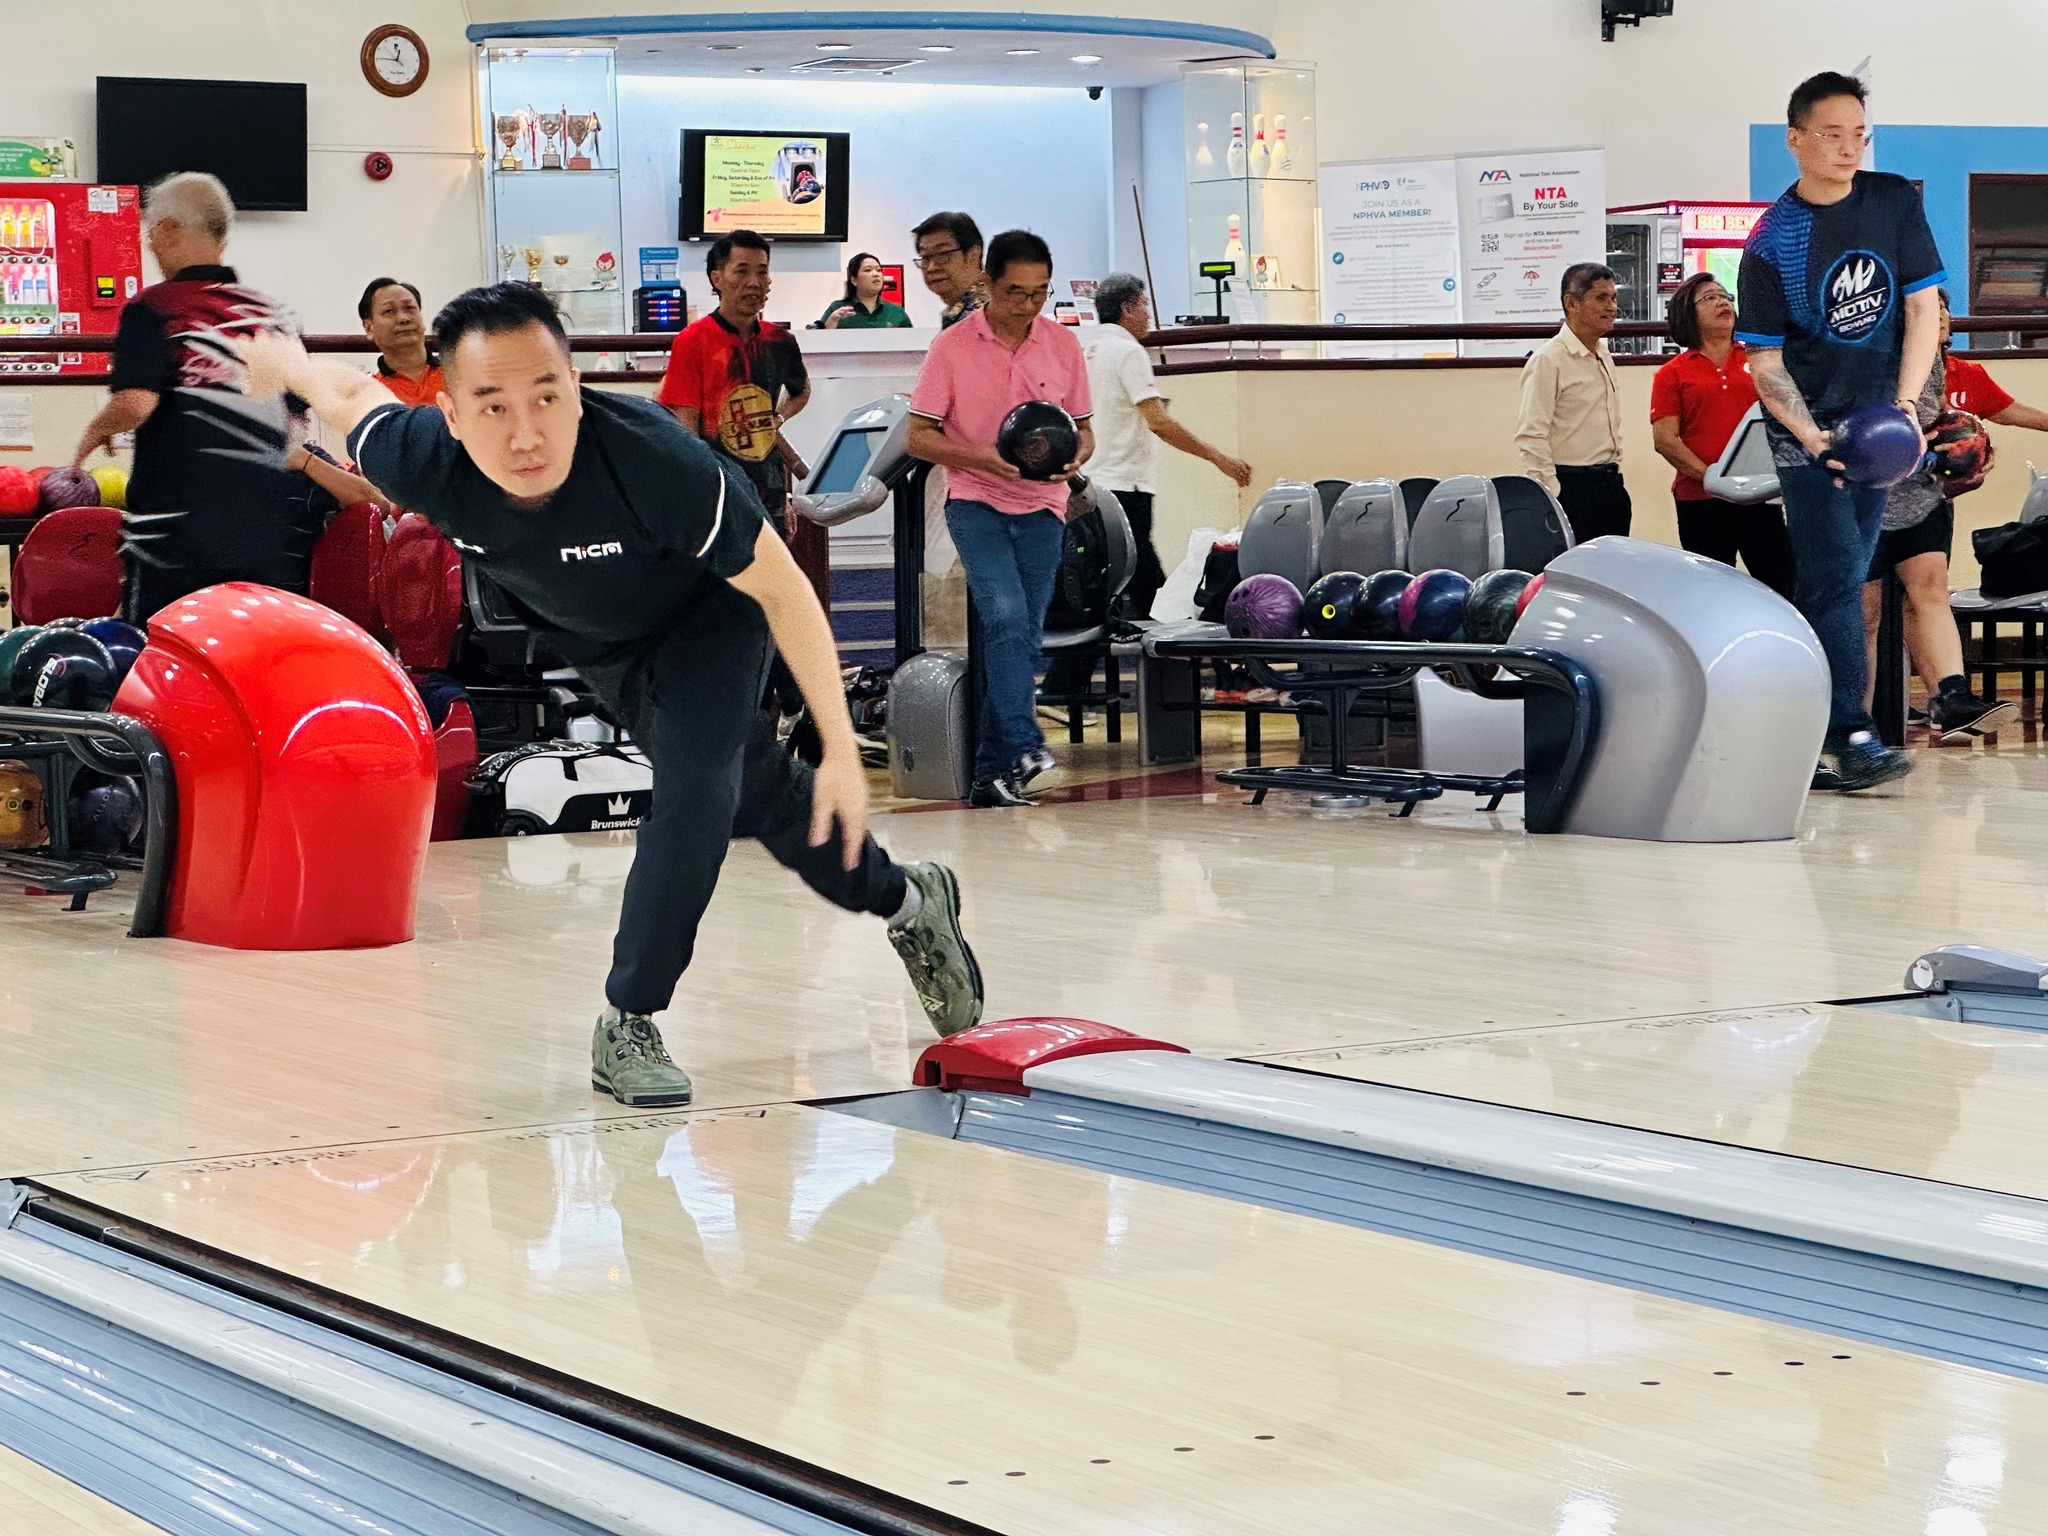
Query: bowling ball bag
(1432, 610)
(104, 815)
(1080, 588)
(65, 486)
(1877, 444)
(1962, 452)
(2012, 559)
(1493, 605)
(1264, 607)
(1379, 608)
(1330, 608)
(559, 786)
(1039, 439)
(1219, 580)
(21, 806)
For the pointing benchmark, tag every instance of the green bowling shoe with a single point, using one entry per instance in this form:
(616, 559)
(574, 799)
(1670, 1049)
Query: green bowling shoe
(934, 951)
(629, 1062)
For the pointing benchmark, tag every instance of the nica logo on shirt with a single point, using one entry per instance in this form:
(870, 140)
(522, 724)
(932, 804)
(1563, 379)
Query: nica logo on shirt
(1857, 295)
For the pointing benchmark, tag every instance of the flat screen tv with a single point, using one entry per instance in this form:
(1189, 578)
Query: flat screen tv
(249, 133)
(788, 186)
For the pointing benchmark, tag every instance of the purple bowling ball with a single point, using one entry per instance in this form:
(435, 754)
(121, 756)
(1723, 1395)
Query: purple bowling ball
(68, 487)
(1263, 607)
(1876, 444)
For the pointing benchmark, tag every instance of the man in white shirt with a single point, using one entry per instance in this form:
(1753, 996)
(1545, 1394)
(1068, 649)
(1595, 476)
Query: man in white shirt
(1130, 420)
(1568, 432)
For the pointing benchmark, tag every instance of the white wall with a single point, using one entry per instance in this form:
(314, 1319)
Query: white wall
(423, 223)
(1035, 159)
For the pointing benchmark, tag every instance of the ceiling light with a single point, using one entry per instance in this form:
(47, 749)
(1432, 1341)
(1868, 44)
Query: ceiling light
(833, 47)
(935, 48)
(1022, 53)
(1087, 58)
(722, 47)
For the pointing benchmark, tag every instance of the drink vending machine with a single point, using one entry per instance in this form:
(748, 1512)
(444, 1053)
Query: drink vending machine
(70, 257)
(1654, 247)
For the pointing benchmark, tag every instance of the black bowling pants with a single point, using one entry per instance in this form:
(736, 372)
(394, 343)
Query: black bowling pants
(692, 701)
(1595, 499)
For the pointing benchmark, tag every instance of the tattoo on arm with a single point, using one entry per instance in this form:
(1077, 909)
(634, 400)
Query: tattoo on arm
(1779, 394)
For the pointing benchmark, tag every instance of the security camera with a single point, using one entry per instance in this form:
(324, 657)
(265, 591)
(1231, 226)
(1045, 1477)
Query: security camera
(1095, 93)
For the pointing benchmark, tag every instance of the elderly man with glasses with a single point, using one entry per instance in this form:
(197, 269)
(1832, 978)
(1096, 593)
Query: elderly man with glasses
(949, 256)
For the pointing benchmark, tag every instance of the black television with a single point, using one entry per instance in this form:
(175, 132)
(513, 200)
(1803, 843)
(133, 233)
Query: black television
(788, 186)
(249, 133)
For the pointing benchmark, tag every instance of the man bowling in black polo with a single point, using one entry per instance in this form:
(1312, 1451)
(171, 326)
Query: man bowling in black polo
(646, 560)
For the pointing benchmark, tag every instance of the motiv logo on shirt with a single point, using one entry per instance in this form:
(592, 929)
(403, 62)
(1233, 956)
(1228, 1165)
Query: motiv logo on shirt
(581, 552)
(1858, 295)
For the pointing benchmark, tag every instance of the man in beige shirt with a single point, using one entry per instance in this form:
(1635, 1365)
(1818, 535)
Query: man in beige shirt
(1568, 433)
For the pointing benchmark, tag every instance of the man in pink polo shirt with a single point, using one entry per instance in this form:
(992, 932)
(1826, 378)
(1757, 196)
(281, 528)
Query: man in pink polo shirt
(1006, 528)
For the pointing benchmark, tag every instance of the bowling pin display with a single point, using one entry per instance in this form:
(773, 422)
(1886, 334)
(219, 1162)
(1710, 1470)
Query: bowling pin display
(1204, 160)
(1233, 157)
(1233, 248)
(1261, 151)
(1283, 157)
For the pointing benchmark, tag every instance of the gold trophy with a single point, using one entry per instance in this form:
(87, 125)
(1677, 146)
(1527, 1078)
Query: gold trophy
(561, 270)
(579, 126)
(510, 126)
(534, 256)
(550, 130)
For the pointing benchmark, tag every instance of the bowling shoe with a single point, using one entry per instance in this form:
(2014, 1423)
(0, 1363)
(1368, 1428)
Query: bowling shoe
(629, 1061)
(934, 951)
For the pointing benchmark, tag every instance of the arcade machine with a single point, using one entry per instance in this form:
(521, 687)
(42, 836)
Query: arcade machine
(70, 258)
(1653, 247)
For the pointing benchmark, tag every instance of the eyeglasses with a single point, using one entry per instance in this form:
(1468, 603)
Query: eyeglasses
(932, 258)
(1836, 138)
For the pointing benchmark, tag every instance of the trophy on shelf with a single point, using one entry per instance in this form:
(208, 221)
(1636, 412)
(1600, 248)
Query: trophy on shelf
(561, 259)
(506, 256)
(550, 130)
(579, 126)
(534, 256)
(510, 126)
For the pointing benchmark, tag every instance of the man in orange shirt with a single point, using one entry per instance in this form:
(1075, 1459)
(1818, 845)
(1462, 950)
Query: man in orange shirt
(390, 312)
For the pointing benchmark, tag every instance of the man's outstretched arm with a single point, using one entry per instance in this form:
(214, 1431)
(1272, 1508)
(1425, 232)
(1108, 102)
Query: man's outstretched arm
(340, 395)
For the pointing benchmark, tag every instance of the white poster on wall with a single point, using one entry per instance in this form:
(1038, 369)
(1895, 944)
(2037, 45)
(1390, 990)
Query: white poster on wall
(1390, 250)
(1524, 218)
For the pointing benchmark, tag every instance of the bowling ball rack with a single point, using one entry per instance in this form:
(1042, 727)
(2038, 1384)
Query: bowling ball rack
(1561, 716)
(57, 741)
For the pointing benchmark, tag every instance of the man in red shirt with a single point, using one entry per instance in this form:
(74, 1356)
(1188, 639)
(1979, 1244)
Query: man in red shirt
(390, 312)
(734, 378)
(1920, 556)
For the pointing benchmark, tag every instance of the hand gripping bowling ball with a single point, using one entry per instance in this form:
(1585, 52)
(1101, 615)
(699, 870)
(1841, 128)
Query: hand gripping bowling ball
(1040, 439)
(65, 486)
(1491, 608)
(104, 817)
(1432, 610)
(1962, 452)
(1263, 607)
(62, 669)
(1329, 609)
(1379, 607)
(1877, 444)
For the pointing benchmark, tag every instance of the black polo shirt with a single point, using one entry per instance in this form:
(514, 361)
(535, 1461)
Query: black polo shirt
(606, 564)
(209, 490)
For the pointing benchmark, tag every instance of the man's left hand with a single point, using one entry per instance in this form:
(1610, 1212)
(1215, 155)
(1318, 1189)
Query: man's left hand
(272, 360)
(839, 792)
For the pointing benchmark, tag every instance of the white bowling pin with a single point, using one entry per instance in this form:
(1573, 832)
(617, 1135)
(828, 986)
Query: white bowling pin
(1233, 248)
(1261, 151)
(1204, 160)
(1283, 157)
(1233, 158)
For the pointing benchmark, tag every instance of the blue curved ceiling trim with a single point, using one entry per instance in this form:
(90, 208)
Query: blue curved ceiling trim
(1229, 38)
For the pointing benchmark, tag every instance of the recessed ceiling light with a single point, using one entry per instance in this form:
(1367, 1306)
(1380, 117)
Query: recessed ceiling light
(1022, 53)
(753, 69)
(722, 47)
(1087, 58)
(935, 48)
(833, 47)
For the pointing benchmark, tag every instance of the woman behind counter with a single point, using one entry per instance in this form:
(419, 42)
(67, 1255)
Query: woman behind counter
(863, 308)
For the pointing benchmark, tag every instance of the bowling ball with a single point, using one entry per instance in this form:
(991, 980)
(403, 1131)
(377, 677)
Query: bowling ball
(1962, 452)
(1491, 608)
(124, 642)
(1528, 596)
(1877, 444)
(1040, 439)
(1263, 607)
(74, 682)
(21, 806)
(69, 621)
(17, 491)
(1329, 609)
(1432, 610)
(105, 817)
(26, 676)
(65, 486)
(1379, 616)
(11, 642)
(112, 480)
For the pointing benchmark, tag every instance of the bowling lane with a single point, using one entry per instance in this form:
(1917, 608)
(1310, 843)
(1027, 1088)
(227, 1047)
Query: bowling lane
(1927, 1098)
(1044, 1349)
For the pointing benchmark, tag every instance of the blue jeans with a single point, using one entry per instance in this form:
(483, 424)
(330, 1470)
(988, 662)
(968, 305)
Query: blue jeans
(1834, 533)
(1010, 559)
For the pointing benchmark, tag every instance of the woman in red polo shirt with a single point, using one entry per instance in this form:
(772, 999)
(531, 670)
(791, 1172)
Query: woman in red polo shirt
(1696, 402)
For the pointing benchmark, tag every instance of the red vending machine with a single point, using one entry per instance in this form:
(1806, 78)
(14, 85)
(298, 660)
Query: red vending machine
(70, 257)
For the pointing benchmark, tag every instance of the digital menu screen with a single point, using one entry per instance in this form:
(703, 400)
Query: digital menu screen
(790, 186)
